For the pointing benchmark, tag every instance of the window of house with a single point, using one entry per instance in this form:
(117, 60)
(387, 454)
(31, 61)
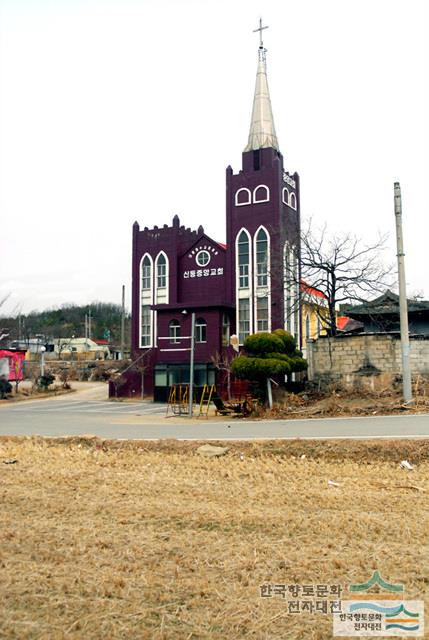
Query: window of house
(292, 201)
(262, 314)
(243, 260)
(146, 274)
(261, 259)
(243, 319)
(225, 330)
(174, 331)
(146, 328)
(200, 330)
(161, 271)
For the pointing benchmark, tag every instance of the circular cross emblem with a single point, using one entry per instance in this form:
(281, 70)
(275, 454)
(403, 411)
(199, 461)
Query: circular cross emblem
(202, 258)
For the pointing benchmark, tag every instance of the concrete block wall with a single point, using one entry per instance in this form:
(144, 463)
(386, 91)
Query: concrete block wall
(358, 358)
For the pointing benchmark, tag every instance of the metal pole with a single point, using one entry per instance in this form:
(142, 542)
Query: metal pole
(403, 310)
(89, 324)
(42, 362)
(123, 323)
(191, 370)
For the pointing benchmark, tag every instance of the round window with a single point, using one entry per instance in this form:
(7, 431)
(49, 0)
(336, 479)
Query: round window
(202, 258)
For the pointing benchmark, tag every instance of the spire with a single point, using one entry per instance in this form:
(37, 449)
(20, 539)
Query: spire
(262, 132)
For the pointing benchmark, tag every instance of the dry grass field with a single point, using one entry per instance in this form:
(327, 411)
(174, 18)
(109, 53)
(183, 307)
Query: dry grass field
(103, 540)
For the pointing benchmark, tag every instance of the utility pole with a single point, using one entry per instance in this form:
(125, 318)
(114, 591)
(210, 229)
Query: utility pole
(86, 326)
(191, 369)
(403, 310)
(123, 323)
(89, 323)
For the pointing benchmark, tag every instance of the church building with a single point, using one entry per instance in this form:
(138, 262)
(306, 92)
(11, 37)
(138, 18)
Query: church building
(245, 286)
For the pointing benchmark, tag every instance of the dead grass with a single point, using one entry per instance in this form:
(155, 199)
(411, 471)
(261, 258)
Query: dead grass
(104, 540)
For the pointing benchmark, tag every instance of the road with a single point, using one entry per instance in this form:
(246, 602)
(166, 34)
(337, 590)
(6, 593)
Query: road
(88, 412)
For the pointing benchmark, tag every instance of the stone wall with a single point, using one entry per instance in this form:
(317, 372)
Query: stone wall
(372, 360)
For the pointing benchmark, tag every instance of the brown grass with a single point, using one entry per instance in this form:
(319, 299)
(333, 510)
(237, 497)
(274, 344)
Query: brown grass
(104, 540)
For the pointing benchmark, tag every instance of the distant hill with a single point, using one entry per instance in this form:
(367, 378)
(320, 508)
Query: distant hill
(69, 320)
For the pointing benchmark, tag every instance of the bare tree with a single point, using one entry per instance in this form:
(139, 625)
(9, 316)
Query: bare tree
(223, 362)
(343, 268)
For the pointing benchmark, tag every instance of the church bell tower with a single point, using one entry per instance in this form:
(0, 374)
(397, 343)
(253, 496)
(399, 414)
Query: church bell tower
(263, 225)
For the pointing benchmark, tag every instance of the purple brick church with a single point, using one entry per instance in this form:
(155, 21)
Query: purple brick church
(243, 287)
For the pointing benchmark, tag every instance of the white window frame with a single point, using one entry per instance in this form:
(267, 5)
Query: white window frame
(243, 204)
(267, 194)
(162, 293)
(146, 299)
(244, 292)
(261, 290)
(199, 324)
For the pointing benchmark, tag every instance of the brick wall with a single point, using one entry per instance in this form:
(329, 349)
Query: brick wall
(370, 358)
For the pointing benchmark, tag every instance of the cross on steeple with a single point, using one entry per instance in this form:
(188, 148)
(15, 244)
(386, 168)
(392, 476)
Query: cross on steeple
(260, 29)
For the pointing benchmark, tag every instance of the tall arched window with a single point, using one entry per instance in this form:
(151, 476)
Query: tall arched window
(161, 271)
(200, 330)
(243, 260)
(161, 278)
(146, 300)
(292, 201)
(261, 259)
(174, 331)
(146, 274)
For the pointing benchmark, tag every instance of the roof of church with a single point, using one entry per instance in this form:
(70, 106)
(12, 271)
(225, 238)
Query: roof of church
(262, 132)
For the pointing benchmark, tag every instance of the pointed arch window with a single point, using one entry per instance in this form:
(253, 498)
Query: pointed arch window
(146, 274)
(285, 195)
(292, 201)
(243, 260)
(262, 258)
(161, 271)
(174, 331)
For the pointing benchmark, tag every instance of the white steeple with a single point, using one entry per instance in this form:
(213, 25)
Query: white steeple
(262, 132)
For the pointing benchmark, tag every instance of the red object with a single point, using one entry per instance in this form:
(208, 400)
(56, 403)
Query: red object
(101, 342)
(16, 360)
(305, 288)
(341, 322)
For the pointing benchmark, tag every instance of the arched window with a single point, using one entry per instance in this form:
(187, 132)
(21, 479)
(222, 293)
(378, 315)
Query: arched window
(174, 331)
(243, 250)
(285, 195)
(292, 201)
(307, 326)
(200, 330)
(262, 258)
(261, 193)
(161, 271)
(146, 274)
(146, 300)
(242, 197)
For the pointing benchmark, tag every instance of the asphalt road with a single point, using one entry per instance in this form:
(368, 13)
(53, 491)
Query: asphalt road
(86, 413)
